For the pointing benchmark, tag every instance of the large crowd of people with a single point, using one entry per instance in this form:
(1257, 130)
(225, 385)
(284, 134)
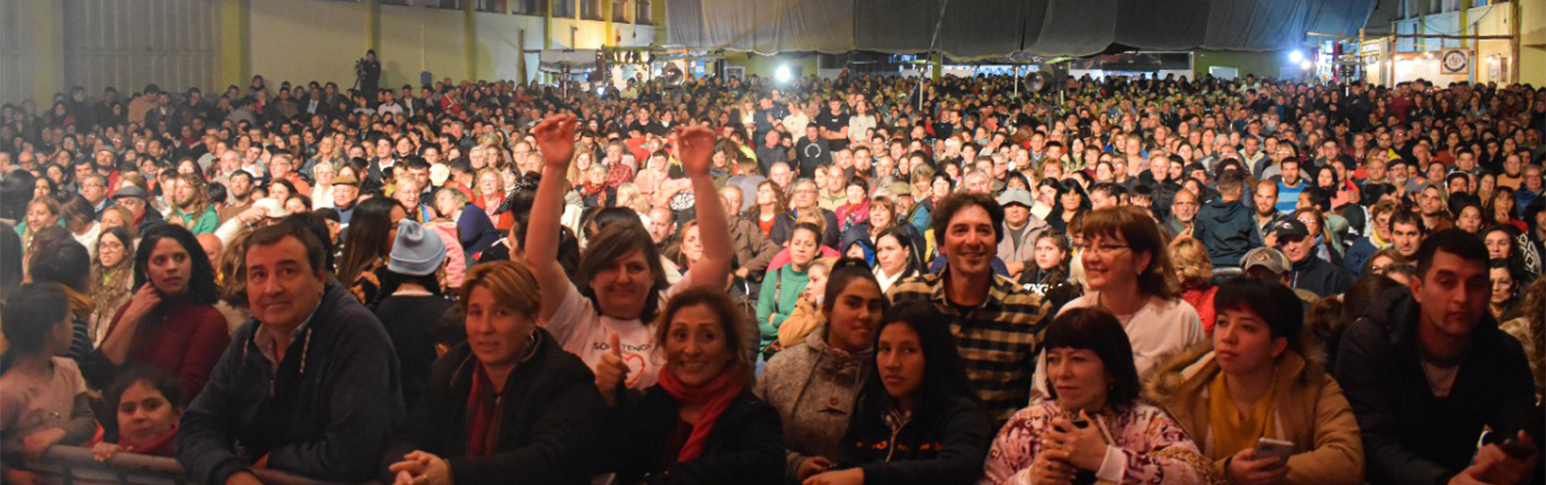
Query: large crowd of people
(829, 281)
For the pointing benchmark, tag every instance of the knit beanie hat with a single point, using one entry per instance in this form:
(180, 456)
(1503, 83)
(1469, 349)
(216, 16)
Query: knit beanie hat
(417, 251)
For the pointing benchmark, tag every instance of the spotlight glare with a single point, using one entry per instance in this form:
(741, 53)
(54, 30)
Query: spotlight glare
(1295, 56)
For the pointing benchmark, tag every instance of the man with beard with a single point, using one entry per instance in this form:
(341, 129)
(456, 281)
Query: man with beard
(238, 189)
(190, 206)
(1183, 213)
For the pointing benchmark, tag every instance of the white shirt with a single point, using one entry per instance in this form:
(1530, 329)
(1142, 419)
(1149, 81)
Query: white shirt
(584, 332)
(1158, 329)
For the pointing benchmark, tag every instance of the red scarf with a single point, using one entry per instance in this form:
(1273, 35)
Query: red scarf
(482, 415)
(715, 396)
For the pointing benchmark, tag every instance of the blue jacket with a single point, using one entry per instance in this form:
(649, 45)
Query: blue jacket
(1228, 230)
(325, 414)
(1358, 255)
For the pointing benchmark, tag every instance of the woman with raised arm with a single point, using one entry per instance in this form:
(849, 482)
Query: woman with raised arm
(621, 281)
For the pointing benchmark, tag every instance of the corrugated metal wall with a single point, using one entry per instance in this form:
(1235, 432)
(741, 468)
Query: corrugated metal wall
(15, 52)
(130, 43)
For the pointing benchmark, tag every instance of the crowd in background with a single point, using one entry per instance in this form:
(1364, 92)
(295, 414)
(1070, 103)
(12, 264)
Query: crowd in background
(831, 281)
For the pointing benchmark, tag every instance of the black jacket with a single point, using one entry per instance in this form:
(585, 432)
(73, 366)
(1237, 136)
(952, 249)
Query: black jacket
(1410, 436)
(547, 427)
(947, 445)
(325, 414)
(746, 445)
(1320, 277)
(1226, 229)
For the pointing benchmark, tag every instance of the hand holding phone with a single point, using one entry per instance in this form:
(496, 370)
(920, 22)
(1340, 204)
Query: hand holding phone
(1268, 447)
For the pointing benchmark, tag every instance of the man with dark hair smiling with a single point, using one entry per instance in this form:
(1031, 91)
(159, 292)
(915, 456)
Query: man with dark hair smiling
(999, 324)
(1431, 371)
(309, 386)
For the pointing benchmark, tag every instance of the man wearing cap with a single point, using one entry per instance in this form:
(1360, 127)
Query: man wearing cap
(1306, 270)
(417, 256)
(1017, 245)
(1269, 264)
(134, 198)
(346, 190)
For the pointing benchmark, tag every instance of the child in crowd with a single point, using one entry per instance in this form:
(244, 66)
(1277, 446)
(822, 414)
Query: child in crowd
(43, 400)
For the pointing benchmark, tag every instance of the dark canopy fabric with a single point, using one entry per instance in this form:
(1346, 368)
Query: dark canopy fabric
(981, 28)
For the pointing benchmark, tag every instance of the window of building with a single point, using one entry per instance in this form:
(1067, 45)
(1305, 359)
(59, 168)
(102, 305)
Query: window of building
(590, 9)
(530, 7)
(491, 6)
(642, 14)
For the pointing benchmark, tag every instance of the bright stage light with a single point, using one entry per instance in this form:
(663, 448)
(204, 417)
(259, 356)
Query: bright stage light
(1295, 56)
(782, 74)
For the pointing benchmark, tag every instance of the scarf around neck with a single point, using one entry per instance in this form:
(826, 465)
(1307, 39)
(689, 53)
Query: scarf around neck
(715, 396)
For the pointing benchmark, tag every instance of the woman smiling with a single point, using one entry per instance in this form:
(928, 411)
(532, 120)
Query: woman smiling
(700, 424)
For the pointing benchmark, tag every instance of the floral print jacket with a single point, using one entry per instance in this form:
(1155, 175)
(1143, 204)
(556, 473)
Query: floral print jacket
(1147, 447)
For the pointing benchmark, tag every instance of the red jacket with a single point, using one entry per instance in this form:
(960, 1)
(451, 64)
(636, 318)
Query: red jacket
(186, 343)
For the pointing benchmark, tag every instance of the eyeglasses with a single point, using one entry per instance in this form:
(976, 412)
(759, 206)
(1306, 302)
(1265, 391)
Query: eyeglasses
(1103, 249)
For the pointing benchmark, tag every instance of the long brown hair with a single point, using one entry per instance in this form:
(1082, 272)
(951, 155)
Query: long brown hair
(1143, 236)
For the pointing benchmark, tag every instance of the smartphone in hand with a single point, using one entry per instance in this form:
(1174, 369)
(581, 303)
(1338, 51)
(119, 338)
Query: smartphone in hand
(1268, 447)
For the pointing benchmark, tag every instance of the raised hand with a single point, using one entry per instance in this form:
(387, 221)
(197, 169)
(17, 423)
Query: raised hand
(695, 148)
(555, 140)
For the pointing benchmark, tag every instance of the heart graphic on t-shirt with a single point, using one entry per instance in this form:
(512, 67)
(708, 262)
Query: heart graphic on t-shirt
(635, 368)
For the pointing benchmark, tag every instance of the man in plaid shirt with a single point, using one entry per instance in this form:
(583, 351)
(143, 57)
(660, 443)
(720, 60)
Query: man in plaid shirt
(998, 325)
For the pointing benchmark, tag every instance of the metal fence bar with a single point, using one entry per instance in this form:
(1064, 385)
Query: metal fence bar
(78, 466)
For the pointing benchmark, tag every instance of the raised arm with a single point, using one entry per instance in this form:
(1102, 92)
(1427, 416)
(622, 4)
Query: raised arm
(695, 146)
(555, 141)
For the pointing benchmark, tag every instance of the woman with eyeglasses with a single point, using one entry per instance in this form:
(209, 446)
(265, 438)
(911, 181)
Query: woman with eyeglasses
(1128, 269)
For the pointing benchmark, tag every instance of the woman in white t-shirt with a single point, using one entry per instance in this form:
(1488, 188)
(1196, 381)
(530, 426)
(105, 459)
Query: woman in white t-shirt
(621, 280)
(1130, 275)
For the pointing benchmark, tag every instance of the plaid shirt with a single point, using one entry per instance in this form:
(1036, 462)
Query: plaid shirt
(998, 339)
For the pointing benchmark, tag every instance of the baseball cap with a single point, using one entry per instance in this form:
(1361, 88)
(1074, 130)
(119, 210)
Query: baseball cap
(346, 179)
(1269, 258)
(1015, 196)
(131, 190)
(900, 188)
(1290, 228)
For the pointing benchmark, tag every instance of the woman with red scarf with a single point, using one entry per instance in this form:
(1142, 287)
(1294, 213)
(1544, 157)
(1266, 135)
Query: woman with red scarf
(701, 424)
(507, 406)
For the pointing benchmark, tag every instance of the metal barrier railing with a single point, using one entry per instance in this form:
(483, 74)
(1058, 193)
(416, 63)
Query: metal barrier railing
(71, 465)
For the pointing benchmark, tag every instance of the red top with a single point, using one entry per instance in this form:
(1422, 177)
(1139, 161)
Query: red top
(186, 343)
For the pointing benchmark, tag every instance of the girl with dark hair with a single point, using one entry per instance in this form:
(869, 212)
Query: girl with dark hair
(148, 404)
(783, 285)
(68, 264)
(621, 279)
(813, 384)
(1256, 381)
(700, 424)
(1093, 426)
(43, 399)
(367, 243)
(1503, 301)
(170, 323)
(896, 256)
(1071, 200)
(916, 420)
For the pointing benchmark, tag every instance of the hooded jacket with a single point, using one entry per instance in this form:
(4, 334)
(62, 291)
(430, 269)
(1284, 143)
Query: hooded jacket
(325, 413)
(1310, 412)
(1410, 436)
(1227, 229)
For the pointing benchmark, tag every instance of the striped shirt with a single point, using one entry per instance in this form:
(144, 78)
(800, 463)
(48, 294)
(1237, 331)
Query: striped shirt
(998, 339)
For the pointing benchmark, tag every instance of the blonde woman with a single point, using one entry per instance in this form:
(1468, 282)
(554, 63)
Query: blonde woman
(1196, 272)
